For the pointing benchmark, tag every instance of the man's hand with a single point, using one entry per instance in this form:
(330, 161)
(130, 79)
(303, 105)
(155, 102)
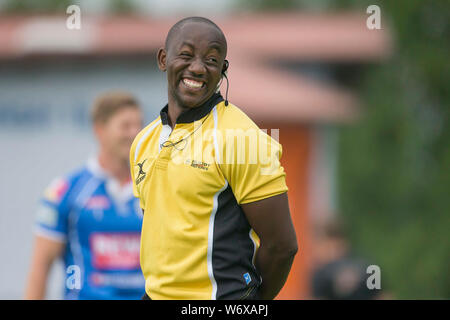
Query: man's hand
(271, 220)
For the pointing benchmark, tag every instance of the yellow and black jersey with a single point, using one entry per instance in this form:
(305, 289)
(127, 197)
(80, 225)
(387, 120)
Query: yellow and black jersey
(196, 242)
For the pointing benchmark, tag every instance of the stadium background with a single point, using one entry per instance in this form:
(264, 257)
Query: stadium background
(363, 117)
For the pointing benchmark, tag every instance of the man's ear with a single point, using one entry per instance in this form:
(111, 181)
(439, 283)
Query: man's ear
(226, 64)
(97, 128)
(161, 59)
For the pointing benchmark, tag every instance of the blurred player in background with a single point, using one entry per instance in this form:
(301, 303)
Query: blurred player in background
(90, 218)
(340, 274)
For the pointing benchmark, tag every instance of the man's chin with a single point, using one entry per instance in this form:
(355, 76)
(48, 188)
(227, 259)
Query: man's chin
(191, 102)
(123, 156)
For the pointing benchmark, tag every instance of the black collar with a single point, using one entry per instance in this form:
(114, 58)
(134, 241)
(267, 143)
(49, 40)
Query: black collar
(192, 114)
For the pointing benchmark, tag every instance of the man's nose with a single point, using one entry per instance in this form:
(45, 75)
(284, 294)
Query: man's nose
(197, 67)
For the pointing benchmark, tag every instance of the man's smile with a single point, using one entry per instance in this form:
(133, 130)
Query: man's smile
(193, 84)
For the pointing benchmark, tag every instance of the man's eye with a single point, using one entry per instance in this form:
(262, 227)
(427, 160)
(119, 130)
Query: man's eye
(212, 59)
(185, 54)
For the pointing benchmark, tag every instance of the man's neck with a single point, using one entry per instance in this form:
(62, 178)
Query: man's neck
(174, 111)
(117, 168)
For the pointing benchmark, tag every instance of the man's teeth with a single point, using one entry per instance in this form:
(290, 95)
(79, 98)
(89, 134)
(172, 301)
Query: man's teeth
(192, 83)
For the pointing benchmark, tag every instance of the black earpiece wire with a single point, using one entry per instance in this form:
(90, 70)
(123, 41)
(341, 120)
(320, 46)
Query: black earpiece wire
(226, 92)
(224, 73)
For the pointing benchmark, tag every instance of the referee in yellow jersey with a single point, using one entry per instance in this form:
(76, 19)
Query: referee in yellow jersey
(216, 216)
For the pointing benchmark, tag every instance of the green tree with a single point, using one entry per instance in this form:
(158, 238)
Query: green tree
(394, 168)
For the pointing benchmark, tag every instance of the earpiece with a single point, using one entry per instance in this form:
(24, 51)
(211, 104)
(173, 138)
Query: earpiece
(226, 64)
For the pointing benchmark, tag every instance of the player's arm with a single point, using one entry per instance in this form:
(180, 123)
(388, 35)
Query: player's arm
(45, 252)
(271, 220)
(50, 237)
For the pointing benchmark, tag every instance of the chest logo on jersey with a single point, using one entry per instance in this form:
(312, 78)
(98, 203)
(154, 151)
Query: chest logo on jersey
(115, 251)
(197, 164)
(98, 202)
(141, 174)
(56, 190)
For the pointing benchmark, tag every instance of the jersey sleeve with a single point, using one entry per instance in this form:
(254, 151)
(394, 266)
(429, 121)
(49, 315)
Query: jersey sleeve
(52, 212)
(132, 164)
(133, 169)
(251, 164)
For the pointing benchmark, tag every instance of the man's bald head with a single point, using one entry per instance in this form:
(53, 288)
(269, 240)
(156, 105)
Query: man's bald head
(194, 61)
(177, 26)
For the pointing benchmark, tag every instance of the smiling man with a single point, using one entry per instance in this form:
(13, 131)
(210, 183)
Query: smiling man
(216, 223)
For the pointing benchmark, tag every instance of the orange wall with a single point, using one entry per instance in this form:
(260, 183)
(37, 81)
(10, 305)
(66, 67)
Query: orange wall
(295, 160)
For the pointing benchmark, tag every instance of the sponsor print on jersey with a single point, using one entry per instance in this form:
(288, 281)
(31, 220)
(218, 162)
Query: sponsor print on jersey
(47, 215)
(247, 278)
(118, 280)
(98, 203)
(56, 190)
(115, 251)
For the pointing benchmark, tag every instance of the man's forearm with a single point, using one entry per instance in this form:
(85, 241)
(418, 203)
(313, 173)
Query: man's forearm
(36, 284)
(274, 266)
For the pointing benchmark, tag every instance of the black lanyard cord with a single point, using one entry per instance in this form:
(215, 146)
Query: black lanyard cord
(168, 143)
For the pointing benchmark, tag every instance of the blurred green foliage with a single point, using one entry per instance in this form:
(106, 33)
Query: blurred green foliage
(394, 163)
(394, 166)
